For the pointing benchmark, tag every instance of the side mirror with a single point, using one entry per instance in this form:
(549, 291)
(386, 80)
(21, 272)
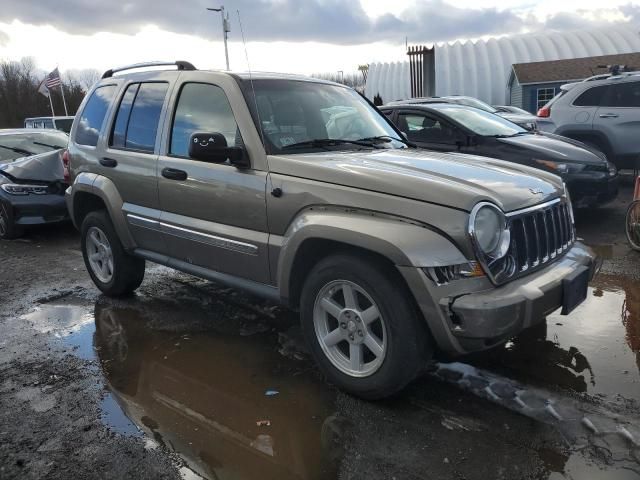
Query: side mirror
(212, 147)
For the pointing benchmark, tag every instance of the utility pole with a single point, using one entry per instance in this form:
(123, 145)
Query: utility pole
(225, 30)
(341, 76)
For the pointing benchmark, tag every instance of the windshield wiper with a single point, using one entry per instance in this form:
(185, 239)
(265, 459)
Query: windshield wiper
(55, 147)
(387, 139)
(331, 142)
(17, 150)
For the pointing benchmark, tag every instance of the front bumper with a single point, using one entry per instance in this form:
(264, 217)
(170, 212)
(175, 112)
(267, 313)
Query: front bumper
(37, 209)
(592, 191)
(475, 315)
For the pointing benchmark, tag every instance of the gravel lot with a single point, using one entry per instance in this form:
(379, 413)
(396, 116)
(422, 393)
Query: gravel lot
(179, 381)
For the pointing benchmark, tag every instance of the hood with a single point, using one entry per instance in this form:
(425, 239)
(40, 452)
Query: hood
(518, 117)
(44, 167)
(553, 147)
(449, 179)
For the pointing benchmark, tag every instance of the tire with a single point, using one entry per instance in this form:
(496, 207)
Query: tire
(632, 225)
(404, 345)
(8, 229)
(115, 272)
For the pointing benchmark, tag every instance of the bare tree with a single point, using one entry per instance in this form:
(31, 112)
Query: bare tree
(86, 77)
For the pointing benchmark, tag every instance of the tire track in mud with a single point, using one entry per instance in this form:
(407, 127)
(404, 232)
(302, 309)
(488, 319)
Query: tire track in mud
(609, 435)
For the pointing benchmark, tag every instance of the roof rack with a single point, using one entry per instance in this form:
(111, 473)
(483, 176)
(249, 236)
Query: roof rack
(181, 64)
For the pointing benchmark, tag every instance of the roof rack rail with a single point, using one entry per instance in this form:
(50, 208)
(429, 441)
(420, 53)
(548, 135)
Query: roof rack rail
(181, 64)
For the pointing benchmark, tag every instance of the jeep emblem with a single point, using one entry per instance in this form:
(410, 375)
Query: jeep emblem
(536, 191)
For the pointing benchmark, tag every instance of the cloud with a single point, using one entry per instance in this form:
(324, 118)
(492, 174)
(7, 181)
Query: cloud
(341, 22)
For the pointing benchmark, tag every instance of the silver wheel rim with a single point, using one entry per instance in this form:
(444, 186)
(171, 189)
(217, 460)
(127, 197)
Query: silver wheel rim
(4, 221)
(350, 328)
(99, 254)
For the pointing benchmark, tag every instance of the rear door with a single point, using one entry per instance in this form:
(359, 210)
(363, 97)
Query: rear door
(215, 215)
(618, 118)
(130, 158)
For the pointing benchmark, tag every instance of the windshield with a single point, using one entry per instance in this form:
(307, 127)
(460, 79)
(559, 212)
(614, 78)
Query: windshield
(299, 116)
(18, 145)
(481, 122)
(64, 124)
(474, 102)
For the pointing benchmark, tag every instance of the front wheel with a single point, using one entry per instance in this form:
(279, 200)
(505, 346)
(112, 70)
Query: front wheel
(632, 225)
(113, 270)
(362, 326)
(8, 228)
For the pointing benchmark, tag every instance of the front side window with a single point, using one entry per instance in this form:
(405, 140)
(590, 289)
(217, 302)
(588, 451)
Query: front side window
(136, 125)
(591, 97)
(299, 116)
(202, 108)
(623, 95)
(92, 117)
(425, 129)
(544, 96)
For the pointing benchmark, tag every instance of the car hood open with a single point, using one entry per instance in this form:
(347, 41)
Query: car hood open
(44, 167)
(449, 179)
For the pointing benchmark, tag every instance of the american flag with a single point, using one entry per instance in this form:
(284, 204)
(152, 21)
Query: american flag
(53, 79)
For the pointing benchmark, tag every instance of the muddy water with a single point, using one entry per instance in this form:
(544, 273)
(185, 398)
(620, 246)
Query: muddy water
(594, 350)
(205, 397)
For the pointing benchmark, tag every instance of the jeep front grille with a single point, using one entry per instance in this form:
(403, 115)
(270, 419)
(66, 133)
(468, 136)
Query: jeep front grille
(539, 235)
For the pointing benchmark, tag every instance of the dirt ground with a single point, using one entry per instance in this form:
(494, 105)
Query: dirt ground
(189, 379)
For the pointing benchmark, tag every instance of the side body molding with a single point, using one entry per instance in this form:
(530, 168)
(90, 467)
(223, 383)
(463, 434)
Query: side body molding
(105, 189)
(403, 242)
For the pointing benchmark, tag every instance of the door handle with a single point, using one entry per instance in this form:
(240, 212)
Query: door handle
(174, 174)
(108, 162)
(608, 115)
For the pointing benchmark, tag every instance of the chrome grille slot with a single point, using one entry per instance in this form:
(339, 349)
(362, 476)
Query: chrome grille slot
(538, 235)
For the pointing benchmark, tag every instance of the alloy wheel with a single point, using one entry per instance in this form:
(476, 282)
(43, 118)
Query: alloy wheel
(99, 254)
(350, 328)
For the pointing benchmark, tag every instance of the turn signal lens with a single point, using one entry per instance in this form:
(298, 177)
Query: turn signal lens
(450, 273)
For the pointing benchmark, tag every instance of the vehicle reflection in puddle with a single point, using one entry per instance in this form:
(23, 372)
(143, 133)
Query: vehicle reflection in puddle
(596, 349)
(203, 396)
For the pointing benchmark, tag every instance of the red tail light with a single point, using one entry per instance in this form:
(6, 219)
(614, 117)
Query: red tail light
(544, 112)
(65, 166)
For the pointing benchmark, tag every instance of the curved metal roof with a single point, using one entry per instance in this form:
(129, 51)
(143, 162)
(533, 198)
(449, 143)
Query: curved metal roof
(481, 69)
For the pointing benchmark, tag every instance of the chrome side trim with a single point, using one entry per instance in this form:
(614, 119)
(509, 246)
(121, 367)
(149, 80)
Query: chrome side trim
(143, 222)
(212, 240)
(531, 209)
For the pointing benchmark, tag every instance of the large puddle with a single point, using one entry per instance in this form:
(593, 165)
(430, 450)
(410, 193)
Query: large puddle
(594, 350)
(222, 383)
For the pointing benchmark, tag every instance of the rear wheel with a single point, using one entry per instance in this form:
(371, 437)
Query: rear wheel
(362, 326)
(632, 225)
(113, 270)
(8, 229)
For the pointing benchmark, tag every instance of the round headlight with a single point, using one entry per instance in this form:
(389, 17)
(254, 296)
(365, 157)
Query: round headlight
(490, 232)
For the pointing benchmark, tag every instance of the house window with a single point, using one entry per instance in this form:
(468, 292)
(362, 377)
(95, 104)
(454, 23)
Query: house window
(544, 96)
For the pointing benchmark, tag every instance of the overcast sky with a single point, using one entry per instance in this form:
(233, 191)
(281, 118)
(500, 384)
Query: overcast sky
(301, 36)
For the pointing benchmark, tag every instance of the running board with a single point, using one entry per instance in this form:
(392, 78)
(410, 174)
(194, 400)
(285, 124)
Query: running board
(260, 289)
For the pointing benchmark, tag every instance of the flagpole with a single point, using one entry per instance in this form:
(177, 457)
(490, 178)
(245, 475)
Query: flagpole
(51, 103)
(64, 102)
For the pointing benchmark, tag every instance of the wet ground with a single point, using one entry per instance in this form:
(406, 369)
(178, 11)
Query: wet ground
(194, 380)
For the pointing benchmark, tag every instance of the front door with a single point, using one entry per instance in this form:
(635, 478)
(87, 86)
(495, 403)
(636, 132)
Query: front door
(429, 132)
(213, 215)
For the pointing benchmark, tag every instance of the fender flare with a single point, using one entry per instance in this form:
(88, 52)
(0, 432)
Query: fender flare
(106, 190)
(401, 241)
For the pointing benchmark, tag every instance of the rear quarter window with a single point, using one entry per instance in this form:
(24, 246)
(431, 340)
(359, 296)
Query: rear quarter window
(92, 118)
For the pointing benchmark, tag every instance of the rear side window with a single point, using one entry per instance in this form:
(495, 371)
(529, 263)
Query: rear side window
(592, 97)
(623, 95)
(202, 108)
(92, 117)
(136, 124)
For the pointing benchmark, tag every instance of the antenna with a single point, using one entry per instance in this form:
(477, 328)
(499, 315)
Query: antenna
(253, 90)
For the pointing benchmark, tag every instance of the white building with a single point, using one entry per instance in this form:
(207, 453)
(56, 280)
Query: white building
(482, 68)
